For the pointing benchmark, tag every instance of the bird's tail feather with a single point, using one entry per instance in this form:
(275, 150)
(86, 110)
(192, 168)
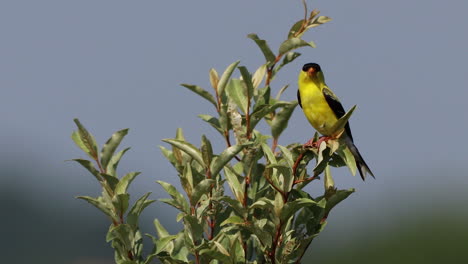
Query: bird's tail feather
(360, 163)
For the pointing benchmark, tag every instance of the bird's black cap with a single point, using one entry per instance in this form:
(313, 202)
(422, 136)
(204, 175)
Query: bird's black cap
(307, 66)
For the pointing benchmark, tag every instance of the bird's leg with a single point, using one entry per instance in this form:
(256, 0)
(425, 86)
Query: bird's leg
(316, 144)
(322, 139)
(310, 143)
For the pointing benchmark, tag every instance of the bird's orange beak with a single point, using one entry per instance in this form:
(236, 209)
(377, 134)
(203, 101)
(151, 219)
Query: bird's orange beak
(311, 72)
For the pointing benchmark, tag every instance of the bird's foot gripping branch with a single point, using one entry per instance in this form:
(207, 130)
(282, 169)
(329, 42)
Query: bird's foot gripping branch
(266, 216)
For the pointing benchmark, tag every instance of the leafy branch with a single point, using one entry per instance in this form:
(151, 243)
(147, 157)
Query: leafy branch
(124, 233)
(265, 216)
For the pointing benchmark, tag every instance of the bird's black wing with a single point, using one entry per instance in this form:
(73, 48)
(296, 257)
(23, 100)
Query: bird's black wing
(337, 108)
(299, 98)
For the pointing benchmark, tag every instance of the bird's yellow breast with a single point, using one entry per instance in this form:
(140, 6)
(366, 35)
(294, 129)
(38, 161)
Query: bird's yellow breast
(316, 108)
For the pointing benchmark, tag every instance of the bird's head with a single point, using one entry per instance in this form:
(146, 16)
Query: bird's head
(312, 72)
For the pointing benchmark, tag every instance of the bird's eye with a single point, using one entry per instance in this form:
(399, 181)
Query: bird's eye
(307, 67)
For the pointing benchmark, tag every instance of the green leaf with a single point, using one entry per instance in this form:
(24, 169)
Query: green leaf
(280, 122)
(214, 79)
(323, 19)
(233, 181)
(263, 111)
(262, 97)
(178, 200)
(180, 134)
(322, 159)
(288, 58)
(287, 155)
(85, 140)
(227, 155)
(286, 171)
(165, 244)
(321, 149)
(188, 148)
(348, 158)
(263, 229)
(272, 180)
(160, 230)
(281, 91)
(224, 121)
(328, 182)
(292, 44)
(186, 179)
(205, 207)
(233, 220)
(237, 92)
(77, 139)
(291, 208)
(137, 208)
(120, 201)
(114, 162)
(90, 167)
(285, 176)
(247, 78)
(235, 205)
(122, 186)
(180, 252)
(237, 251)
(336, 161)
(123, 233)
(221, 248)
(333, 145)
(258, 76)
(263, 203)
(319, 21)
(200, 189)
(268, 153)
(215, 254)
(341, 123)
(312, 44)
(278, 204)
(195, 227)
(293, 32)
(200, 91)
(111, 145)
(110, 180)
(214, 122)
(258, 114)
(99, 204)
(224, 80)
(206, 150)
(336, 198)
(263, 45)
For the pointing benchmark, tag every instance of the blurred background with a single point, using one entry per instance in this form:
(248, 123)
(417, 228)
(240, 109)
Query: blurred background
(118, 64)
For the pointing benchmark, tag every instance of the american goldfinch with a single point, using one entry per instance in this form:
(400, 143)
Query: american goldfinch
(323, 109)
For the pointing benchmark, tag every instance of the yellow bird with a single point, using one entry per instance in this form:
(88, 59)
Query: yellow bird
(323, 109)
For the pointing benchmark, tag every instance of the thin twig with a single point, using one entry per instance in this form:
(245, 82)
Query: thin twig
(228, 142)
(211, 221)
(305, 22)
(305, 9)
(276, 242)
(270, 69)
(274, 145)
(298, 160)
(275, 187)
(306, 180)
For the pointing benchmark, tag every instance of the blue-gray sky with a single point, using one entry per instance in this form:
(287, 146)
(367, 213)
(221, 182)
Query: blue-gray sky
(118, 64)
